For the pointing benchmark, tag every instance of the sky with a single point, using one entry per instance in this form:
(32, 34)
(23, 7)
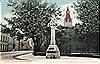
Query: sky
(5, 11)
(0, 12)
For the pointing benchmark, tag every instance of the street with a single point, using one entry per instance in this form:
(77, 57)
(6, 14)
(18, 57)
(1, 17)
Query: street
(10, 55)
(30, 59)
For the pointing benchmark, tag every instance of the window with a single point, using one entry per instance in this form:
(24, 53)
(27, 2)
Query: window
(1, 38)
(6, 39)
(1, 46)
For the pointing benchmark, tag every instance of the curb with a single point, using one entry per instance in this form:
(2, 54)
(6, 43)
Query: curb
(73, 55)
(15, 57)
(84, 55)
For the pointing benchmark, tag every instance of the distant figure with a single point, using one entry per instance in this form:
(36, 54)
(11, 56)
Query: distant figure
(31, 43)
(25, 44)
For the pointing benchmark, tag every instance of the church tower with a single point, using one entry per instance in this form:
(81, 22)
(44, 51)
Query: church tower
(67, 19)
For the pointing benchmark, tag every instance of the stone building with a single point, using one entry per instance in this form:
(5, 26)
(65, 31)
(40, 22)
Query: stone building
(6, 42)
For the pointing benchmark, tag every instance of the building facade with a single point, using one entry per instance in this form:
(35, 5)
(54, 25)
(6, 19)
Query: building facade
(6, 42)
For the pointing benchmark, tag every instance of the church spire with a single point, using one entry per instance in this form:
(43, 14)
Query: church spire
(67, 16)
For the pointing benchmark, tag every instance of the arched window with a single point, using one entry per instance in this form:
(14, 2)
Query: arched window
(6, 39)
(1, 38)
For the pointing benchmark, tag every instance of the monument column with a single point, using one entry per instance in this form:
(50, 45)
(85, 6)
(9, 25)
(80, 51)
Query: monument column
(52, 35)
(53, 26)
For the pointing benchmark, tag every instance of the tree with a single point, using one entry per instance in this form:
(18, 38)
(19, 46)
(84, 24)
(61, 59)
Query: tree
(86, 33)
(32, 17)
(64, 38)
(88, 13)
(4, 29)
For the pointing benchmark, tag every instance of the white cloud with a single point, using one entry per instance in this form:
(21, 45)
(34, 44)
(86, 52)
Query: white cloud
(75, 21)
(9, 15)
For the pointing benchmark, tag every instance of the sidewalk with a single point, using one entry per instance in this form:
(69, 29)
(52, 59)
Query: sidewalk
(10, 55)
(31, 59)
(97, 55)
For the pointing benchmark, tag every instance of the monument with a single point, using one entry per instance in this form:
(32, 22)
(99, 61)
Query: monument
(52, 51)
